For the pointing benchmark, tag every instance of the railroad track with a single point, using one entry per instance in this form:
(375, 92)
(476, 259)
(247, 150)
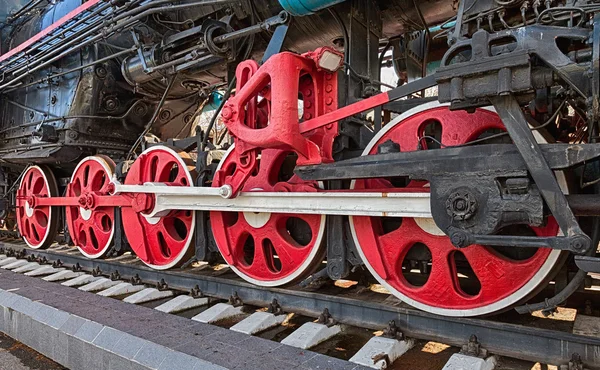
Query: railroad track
(351, 305)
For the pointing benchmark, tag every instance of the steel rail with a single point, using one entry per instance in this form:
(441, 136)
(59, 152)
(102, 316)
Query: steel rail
(504, 339)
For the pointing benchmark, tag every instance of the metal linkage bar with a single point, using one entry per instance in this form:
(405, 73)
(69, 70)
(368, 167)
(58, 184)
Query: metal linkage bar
(512, 116)
(392, 204)
(157, 198)
(517, 341)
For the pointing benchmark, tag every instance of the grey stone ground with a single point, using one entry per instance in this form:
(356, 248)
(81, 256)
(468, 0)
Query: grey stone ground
(86, 331)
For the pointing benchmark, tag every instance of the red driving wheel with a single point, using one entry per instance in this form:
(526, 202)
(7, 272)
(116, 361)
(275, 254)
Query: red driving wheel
(269, 249)
(417, 262)
(92, 230)
(37, 225)
(163, 241)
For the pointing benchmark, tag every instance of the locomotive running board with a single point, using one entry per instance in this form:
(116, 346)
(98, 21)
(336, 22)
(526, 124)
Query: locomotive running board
(423, 164)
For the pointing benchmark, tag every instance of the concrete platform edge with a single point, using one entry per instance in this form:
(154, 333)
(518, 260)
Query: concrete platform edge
(78, 343)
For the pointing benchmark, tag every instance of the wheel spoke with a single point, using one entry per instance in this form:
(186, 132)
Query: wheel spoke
(259, 260)
(289, 252)
(443, 279)
(162, 171)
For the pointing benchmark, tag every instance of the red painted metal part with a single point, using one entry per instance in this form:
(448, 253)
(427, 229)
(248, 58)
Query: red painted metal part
(80, 9)
(269, 253)
(90, 222)
(90, 200)
(385, 250)
(264, 112)
(344, 112)
(162, 241)
(37, 226)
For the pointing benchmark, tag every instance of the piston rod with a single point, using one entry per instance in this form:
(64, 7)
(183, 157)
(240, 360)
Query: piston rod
(388, 204)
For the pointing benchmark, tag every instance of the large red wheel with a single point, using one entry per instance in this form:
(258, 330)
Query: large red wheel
(417, 262)
(269, 249)
(163, 241)
(92, 230)
(37, 225)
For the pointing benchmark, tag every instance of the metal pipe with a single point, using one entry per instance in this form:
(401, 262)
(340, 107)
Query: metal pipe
(585, 205)
(306, 7)
(116, 55)
(71, 27)
(126, 23)
(26, 8)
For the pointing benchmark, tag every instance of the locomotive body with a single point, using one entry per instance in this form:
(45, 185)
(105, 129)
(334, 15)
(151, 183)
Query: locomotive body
(456, 186)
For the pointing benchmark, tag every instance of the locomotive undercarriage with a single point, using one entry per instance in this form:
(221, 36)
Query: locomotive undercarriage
(463, 207)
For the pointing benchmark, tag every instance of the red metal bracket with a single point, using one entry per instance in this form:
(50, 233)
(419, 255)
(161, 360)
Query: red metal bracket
(264, 113)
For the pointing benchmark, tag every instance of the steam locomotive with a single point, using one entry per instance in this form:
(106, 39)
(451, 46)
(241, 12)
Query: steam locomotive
(462, 188)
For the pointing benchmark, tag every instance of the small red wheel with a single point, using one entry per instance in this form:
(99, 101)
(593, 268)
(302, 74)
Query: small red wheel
(269, 249)
(160, 242)
(92, 230)
(37, 225)
(416, 261)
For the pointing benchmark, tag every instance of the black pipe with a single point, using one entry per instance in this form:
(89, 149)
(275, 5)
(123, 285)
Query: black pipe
(584, 204)
(570, 288)
(117, 27)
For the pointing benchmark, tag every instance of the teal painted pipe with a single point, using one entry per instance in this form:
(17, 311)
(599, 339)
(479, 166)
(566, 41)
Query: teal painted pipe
(306, 7)
(439, 27)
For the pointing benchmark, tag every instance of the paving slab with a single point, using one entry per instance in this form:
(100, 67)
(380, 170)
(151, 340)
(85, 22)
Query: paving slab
(80, 280)
(257, 322)
(27, 267)
(148, 295)
(182, 303)
(44, 270)
(218, 312)
(98, 284)
(380, 352)
(120, 289)
(458, 361)
(310, 334)
(91, 344)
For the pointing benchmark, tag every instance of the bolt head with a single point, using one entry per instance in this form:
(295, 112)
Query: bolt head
(458, 239)
(227, 113)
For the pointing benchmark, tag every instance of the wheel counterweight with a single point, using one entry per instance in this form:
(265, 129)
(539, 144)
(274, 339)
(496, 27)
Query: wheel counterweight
(160, 242)
(37, 225)
(92, 229)
(416, 261)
